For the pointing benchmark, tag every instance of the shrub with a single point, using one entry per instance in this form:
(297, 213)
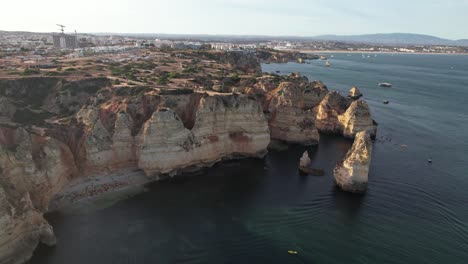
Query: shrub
(29, 71)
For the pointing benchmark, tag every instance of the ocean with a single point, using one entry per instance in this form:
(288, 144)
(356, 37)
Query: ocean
(254, 211)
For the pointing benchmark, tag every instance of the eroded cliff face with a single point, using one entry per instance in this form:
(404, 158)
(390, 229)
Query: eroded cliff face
(339, 115)
(89, 127)
(186, 134)
(33, 169)
(224, 126)
(299, 110)
(292, 114)
(353, 173)
(160, 132)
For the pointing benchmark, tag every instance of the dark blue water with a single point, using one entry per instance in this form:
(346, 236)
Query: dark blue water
(254, 211)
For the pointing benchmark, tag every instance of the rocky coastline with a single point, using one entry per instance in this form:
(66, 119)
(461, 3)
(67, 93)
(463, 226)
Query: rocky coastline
(57, 132)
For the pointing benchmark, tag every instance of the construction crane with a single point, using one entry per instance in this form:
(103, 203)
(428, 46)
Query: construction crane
(62, 26)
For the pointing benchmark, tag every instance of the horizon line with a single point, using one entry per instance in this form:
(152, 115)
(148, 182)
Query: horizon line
(234, 35)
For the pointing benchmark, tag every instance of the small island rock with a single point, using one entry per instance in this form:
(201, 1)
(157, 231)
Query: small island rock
(354, 93)
(352, 174)
(305, 162)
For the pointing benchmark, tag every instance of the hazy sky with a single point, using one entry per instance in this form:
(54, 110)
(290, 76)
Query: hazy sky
(443, 18)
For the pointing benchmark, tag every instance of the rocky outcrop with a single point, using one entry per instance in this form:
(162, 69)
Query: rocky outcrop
(328, 112)
(33, 168)
(160, 131)
(354, 93)
(292, 116)
(305, 162)
(185, 130)
(352, 174)
(357, 118)
(338, 115)
(224, 126)
(160, 134)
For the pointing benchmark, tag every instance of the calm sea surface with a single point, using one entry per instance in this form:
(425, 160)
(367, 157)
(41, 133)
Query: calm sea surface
(254, 211)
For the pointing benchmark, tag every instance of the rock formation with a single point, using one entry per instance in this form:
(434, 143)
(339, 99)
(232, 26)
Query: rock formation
(291, 108)
(338, 115)
(354, 93)
(33, 168)
(329, 111)
(305, 162)
(352, 174)
(160, 132)
(224, 126)
(357, 118)
(53, 130)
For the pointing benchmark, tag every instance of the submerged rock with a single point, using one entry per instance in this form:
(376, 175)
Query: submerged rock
(353, 173)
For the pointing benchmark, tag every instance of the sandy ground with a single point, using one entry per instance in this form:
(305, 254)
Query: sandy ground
(100, 189)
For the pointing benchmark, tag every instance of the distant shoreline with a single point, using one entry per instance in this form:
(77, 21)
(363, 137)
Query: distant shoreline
(376, 52)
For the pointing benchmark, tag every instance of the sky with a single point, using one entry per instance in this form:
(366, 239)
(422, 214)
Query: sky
(442, 18)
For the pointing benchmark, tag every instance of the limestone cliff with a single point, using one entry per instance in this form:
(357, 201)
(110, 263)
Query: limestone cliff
(352, 174)
(33, 168)
(338, 115)
(158, 132)
(328, 112)
(224, 126)
(54, 130)
(292, 116)
(185, 131)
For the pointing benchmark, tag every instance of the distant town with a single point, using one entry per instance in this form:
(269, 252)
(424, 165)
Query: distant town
(39, 50)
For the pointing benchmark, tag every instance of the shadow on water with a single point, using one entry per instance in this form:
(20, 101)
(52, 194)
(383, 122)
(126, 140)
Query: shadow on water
(348, 204)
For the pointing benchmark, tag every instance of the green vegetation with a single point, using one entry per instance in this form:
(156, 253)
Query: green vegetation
(178, 91)
(174, 75)
(126, 71)
(131, 91)
(56, 73)
(29, 71)
(191, 69)
(235, 77)
(89, 86)
(163, 80)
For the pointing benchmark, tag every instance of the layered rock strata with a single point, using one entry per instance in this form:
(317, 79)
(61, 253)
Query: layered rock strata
(291, 111)
(224, 126)
(298, 110)
(353, 173)
(33, 168)
(338, 115)
(98, 128)
(159, 134)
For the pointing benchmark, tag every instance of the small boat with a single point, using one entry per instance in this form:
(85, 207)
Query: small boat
(323, 57)
(292, 252)
(386, 102)
(429, 160)
(278, 71)
(385, 84)
(328, 64)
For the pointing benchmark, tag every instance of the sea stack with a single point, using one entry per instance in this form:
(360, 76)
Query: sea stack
(354, 93)
(352, 174)
(305, 162)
